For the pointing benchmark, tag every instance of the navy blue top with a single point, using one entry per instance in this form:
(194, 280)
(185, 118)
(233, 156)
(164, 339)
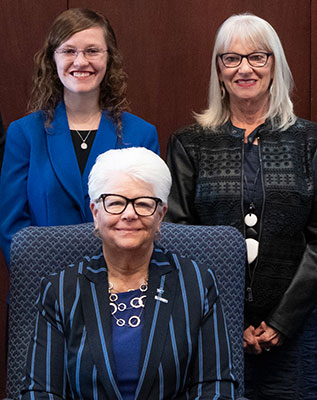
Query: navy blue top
(253, 192)
(127, 346)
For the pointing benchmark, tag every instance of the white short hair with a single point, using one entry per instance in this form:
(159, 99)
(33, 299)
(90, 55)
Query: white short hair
(138, 163)
(257, 32)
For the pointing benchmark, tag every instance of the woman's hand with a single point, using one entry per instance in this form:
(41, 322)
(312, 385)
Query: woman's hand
(268, 337)
(250, 341)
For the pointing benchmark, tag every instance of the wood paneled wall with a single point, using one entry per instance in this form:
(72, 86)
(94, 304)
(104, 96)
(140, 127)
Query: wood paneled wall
(166, 46)
(23, 26)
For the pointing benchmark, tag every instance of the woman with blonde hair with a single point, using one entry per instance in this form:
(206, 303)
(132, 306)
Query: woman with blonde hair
(251, 163)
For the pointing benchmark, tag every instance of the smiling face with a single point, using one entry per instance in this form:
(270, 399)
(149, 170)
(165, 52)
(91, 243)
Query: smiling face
(127, 231)
(80, 75)
(246, 82)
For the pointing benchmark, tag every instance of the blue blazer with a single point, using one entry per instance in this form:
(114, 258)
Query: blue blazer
(41, 182)
(185, 350)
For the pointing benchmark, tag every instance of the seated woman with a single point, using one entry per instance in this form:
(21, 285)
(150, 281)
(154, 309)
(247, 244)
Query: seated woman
(78, 111)
(134, 320)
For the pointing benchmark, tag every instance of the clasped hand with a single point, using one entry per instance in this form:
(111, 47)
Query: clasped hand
(261, 339)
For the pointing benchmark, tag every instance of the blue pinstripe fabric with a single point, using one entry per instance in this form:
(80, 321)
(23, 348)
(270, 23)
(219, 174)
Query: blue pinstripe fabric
(65, 374)
(161, 389)
(184, 295)
(175, 355)
(150, 341)
(94, 383)
(186, 344)
(216, 338)
(33, 353)
(200, 362)
(48, 358)
(103, 340)
(80, 351)
(37, 251)
(73, 309)
(61, 298)
(57, 318)
(80, 268)
(45, 291)
(200, 284)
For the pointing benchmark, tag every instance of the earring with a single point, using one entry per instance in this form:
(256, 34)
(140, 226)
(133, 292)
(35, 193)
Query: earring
(96, 233)
(222, 90)
(271, 89)
(157, 236)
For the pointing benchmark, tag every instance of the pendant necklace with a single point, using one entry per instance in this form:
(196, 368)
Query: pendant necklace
(83, 144)
(250, 220)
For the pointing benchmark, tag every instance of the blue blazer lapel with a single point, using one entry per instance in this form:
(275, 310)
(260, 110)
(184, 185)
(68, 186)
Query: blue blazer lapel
(63, 158)
(163, 278)
(98, 322)
(106, 139)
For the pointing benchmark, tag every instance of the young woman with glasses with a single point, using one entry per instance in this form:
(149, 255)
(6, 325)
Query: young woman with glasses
(251, 163)
(78, 110)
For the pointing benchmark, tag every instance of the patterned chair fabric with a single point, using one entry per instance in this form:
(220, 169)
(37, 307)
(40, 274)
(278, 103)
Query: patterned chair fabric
(37, 251)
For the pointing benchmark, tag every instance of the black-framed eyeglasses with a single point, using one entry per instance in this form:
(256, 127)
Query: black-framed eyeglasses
(256, 59)
(144, 206)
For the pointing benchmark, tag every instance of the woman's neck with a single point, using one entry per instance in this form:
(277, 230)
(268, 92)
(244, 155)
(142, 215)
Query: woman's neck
(83, 112)
(128, 271)
(248, 115)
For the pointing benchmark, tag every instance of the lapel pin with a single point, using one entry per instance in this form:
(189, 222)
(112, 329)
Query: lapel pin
(159, 296)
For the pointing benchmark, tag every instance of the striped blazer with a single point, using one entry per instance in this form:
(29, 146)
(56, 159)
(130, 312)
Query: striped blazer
(185, 351)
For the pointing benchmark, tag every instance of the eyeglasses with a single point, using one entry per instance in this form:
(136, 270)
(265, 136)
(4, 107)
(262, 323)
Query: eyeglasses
(232, 60)
(92, 53)
(144, 206)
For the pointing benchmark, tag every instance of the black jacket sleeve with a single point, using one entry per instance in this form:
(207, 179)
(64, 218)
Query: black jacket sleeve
(300, 298)
(181, 200)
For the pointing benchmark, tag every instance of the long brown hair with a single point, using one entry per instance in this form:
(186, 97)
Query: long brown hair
(47, 90)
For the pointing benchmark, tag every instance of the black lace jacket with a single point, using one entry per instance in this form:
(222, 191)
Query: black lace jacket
(207, 189)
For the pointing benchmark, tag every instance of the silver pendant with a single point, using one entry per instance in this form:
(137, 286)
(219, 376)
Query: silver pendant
(143, 287)
(84, 146)
(250, 219)
(122, 307)
(141, 300)
(120, 322)
(115, 308)
(252, 249)
(134, 321)
(136, 302)
(113, 297)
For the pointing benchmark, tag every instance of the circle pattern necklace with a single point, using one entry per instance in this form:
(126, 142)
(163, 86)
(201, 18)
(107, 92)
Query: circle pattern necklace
(118, 308)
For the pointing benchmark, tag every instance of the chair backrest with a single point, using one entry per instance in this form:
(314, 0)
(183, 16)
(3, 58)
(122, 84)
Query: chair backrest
(37, 251)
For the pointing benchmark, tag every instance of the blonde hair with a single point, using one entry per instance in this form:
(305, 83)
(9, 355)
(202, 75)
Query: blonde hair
(253, 30)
